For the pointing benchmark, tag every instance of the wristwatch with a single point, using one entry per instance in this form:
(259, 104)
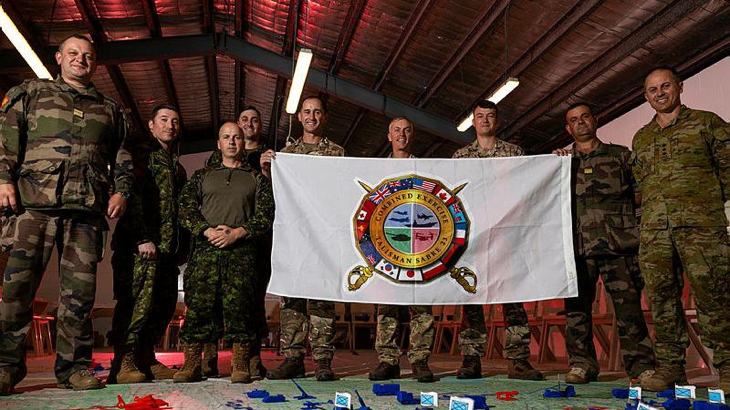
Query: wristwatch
(124, 195)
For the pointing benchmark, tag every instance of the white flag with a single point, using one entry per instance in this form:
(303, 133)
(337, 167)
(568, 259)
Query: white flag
(423, 231)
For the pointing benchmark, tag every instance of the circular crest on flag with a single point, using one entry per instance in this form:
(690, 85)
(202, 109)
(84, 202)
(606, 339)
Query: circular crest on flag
(411, 229)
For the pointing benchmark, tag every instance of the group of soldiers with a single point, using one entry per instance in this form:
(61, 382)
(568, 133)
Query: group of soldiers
(66, 164)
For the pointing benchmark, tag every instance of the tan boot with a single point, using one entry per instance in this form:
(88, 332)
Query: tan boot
(256, 367)
(579, 375)
(240, 363)
(192, 369)
(128, 371)
(210, 360)
(522, 369)
(153, 368)
(81, 380)
(665, 378)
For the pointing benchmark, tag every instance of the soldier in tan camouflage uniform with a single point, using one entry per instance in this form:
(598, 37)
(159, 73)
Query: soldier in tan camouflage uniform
(473, 335)
(249, 120)
(148, 246)
(294, 327)
(400, 135)
(62, 146)
(681, 161)
(606, 240)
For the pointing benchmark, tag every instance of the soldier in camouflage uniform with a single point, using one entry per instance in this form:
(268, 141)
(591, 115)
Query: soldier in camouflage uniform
(249, 120)
(62, 146)
(148, 246)
(294, 327)
(681, 161)
(226, 208)
(474, 333)
(606, 240)
(400, 135)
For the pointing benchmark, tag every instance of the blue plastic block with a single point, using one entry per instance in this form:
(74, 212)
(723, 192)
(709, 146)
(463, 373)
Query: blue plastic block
(480, 402)
(407, 398)
(552, 392)
(386, 389)
(278, 398)
(258, 394)
(681, 404)
(666, 394)
(620, 393)
(704, 405)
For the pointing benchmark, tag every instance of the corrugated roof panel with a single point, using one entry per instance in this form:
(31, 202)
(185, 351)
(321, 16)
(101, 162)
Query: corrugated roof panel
(320, 22)
(146, 85)
(191, 82)
(180, 17)
(226, 88)
(258, 91)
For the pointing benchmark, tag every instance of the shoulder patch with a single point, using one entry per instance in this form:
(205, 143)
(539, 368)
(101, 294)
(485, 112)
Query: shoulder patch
(13, 95)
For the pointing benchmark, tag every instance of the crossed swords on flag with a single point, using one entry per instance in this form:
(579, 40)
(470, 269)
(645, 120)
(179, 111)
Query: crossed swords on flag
(463, 276)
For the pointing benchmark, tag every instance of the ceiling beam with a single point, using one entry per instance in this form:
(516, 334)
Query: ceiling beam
(486, 22)
(550, 37)
(432, 148)
(97, 35)
(287, 49)
(414, 21)
(354, 14)
(153, 25)
(211, 66)
(238, 83)
(663, 20)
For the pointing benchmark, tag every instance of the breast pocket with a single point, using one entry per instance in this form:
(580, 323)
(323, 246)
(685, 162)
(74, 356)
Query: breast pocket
(39, 182)
(623, 233)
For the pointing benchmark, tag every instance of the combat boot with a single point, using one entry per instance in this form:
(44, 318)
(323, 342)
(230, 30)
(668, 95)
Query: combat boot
(6, 383)
(421, 372)
(665, 378)
(210, 360)
(522, 369)
(290, 368)
(471, 368)
(192, 369)
(81, 380)
(385, 371)
(240, 363)
(324, 372)
(724, 382)
(128, 372)
(153, 368)
(579, 375)
(256, 367)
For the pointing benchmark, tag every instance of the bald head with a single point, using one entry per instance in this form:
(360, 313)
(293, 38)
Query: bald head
(230, 141)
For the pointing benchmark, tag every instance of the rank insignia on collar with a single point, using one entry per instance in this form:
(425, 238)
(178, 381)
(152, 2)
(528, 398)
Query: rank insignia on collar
(411, 229)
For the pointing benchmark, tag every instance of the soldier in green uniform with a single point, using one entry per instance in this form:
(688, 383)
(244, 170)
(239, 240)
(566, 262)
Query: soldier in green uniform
(474, 333)
(681, 161)
(606, 240)
(148, 246)
(249, 120)
(62, 153)
(226, 208)
(400, 135)
(294, 327)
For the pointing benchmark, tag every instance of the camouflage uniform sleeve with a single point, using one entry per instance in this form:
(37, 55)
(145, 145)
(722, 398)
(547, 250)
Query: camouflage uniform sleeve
(264, 217)
(191, 199)
(721, 151)
(12, 131)
(123, 168)
(636, 166)
(138, 221)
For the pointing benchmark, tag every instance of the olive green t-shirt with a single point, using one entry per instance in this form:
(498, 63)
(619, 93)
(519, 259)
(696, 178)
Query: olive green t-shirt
(229, 196)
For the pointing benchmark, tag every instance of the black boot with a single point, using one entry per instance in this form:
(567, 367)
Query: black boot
(385, 371)
(290, 368)
(471, 368)
(421, 372)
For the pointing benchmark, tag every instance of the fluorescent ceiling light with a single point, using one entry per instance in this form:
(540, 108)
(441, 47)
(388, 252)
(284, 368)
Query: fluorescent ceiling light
(22, 46)
(498, 96)
(297, 83)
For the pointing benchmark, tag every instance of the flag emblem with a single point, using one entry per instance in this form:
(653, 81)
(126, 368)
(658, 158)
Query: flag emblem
(411, 224)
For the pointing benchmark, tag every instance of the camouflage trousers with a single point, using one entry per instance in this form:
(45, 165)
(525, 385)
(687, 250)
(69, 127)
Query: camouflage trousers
(79, 239)
(146, 295)
(295, 327)
(473, 333)
(622, 279)
(703, 253)
(422, 334)
(220, 292)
